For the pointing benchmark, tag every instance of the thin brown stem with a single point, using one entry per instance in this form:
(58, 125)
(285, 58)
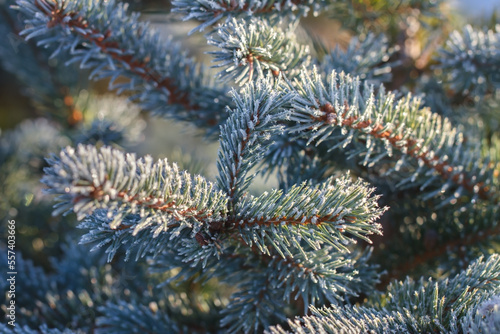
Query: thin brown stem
(313, 220)
(251, 58)
(148, 202)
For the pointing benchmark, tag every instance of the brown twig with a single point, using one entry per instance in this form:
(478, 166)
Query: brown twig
(314, 220)
(170, 207)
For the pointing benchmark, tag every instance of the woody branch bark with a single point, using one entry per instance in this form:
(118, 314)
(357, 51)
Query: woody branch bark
(149, 202)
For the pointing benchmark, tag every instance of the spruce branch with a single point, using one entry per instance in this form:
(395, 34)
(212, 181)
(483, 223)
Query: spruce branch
(310, 277)
(161, 76)
(325, 213)
(166, 251)
(59, 297)
(255, 45)
(248, 133)
(255, 306)
(411, 306)
(470, 287)
(209, 12)
(317, 276)
(221, 256)
(313, 276)
(429, 145)
(50, 90)
(484, 318)
(348, 319)
(471, 61)
(87, 179)
(44, 329)
(367, 58)
(136, 245)
(32, 280)
(123, 317)
(126, 194)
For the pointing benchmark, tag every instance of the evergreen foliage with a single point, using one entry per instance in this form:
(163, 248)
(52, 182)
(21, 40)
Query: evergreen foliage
(471, 60)
(255, 46)
(382, 210)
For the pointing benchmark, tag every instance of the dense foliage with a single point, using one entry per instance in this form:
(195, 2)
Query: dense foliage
(357, 182)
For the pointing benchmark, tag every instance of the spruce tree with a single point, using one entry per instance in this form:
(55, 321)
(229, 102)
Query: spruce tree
(377, 158)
